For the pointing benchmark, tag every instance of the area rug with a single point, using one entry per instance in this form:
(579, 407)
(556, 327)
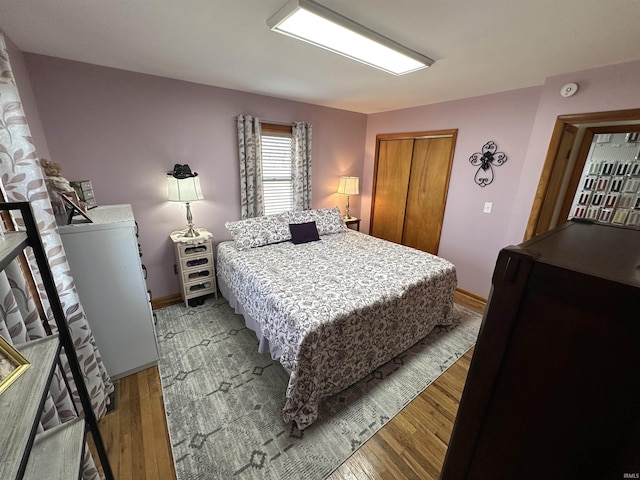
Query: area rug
(223, 399)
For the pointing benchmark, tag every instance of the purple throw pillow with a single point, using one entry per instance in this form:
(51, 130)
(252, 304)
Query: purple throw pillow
(303, 232)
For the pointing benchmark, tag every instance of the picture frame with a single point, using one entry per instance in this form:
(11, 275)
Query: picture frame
(12, 364)
(633, 219)
(605, 215)
(72, 205)
(592, 213)
(625, 200)
(620, 216)
(590, 182)
(611, 199)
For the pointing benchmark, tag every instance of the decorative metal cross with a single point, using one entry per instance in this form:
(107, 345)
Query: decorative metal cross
(484, 162)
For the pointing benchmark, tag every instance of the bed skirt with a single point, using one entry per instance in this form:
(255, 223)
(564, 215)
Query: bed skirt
(264, 346)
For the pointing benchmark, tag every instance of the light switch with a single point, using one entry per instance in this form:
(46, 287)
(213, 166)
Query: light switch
(487, 207)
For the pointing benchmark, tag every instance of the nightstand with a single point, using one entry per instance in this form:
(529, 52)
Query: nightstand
(194, 265)
(353, 221)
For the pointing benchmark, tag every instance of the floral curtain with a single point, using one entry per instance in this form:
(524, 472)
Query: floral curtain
(250, 156)
(301, 165)
(22, 179)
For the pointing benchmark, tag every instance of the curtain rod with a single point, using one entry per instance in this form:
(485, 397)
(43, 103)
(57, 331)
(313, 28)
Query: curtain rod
(288, 124)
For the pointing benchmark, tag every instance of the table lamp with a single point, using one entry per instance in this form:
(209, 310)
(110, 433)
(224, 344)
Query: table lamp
(348, 186)
(184, 186)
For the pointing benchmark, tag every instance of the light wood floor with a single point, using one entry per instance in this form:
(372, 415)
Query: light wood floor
(135, 434)
(411, 446)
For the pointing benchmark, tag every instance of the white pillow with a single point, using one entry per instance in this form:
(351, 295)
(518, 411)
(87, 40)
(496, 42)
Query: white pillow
(328, 220)
(259, 231)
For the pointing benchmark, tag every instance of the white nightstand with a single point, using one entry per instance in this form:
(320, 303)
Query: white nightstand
(194, 260)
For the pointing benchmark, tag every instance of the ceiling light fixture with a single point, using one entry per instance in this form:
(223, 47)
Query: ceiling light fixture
(313, 23)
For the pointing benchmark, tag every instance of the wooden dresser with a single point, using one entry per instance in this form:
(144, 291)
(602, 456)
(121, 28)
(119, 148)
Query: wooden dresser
(553, 390)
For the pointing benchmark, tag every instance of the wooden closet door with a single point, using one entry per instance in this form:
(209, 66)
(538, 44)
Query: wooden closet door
(391, 184)
(427, 194)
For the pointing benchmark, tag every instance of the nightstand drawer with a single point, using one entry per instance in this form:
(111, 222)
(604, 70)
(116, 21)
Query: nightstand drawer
(199, 249)
(198, 289)
(197, 275)
(196, 262)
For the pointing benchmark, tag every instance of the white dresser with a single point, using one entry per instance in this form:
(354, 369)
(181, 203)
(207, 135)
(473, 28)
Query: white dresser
(104, 257)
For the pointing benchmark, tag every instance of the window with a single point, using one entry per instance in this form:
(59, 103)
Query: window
(276, 168)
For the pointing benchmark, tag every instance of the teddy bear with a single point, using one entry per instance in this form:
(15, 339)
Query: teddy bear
(57, 185)
(51, 169)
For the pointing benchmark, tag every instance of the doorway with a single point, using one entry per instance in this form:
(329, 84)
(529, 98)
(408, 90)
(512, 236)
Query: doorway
(558, 169)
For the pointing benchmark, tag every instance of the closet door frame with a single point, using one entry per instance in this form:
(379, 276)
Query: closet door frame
(453, 133)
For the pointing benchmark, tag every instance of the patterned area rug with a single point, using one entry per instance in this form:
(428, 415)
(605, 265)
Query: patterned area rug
(223, 399)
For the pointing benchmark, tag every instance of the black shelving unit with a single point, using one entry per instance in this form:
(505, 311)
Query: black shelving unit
(56, 453)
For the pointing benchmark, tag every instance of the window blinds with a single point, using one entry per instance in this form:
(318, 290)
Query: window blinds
(276, 173)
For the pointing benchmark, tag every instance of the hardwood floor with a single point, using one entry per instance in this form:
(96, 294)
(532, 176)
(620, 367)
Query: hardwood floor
(411, 446)
(135, 434)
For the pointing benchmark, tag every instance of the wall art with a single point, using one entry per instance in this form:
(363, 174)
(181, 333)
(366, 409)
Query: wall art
(485, 161)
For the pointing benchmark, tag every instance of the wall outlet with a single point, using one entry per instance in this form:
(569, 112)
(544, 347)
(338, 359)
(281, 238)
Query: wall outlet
(487, 207)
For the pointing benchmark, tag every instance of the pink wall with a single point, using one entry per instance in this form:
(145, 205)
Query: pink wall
(124, 131)
(16, 58)
(521, 123)
(601, 89)
(470, 238)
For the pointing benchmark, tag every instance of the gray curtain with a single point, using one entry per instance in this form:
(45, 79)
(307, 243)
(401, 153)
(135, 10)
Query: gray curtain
(250, 157)
(301, 165)
(22, 179)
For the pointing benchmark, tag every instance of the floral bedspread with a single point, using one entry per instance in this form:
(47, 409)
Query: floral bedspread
(337, 308)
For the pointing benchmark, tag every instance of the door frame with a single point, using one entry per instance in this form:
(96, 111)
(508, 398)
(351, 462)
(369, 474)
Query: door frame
(554, 145)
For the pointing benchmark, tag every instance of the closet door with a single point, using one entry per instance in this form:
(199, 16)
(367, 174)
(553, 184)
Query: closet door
(427, 193)
(410, 184)
(391, 185)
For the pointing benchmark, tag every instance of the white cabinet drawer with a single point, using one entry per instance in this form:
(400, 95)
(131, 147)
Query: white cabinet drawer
(187, 250)
(196, 262)
(198, 289)
(197, 274)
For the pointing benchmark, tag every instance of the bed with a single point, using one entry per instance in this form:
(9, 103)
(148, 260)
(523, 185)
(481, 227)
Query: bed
(333, 310)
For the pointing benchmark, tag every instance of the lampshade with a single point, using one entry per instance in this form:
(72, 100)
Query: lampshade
(184, 189)
(349, 186)
(316, 24)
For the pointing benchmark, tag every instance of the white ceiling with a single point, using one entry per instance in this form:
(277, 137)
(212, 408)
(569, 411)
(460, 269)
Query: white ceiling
(480, 46)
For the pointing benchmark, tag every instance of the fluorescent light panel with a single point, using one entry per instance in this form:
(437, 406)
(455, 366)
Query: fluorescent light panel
(313, 23)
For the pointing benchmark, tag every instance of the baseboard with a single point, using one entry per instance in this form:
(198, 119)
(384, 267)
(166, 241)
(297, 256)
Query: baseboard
(162, 302)
(133, 370)
(470, 300)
